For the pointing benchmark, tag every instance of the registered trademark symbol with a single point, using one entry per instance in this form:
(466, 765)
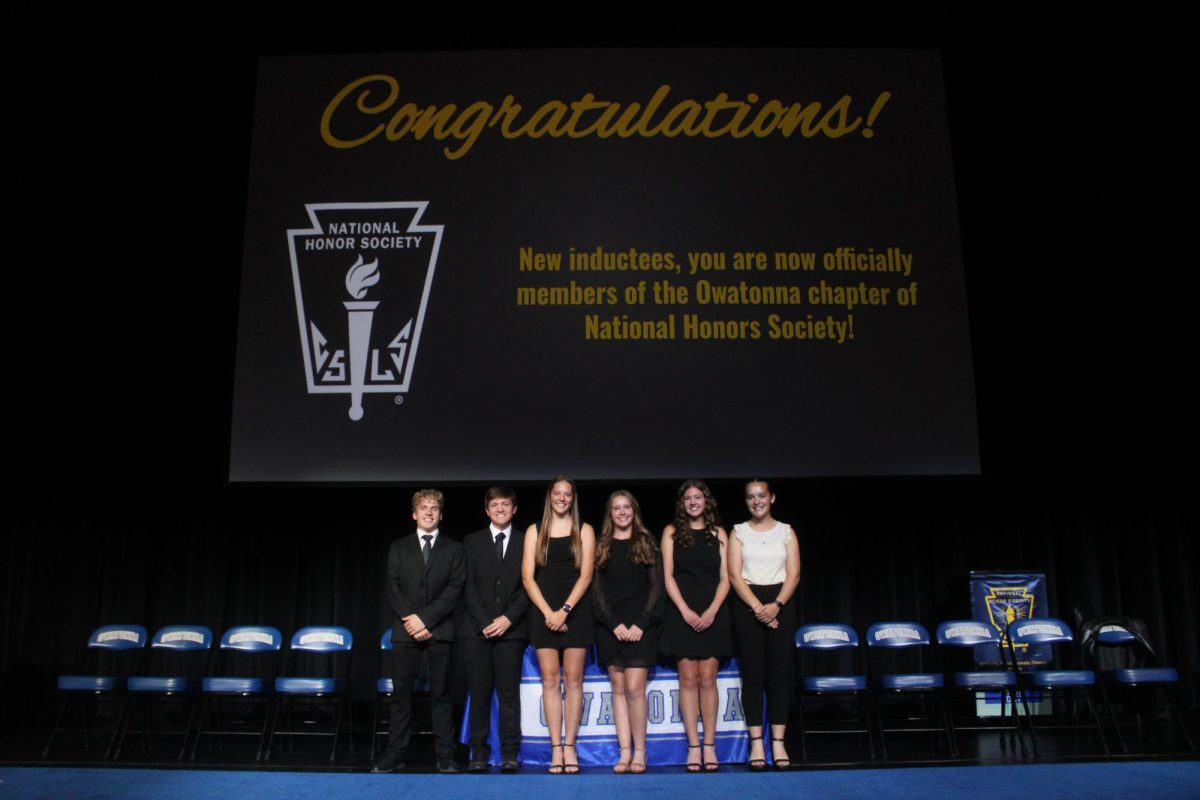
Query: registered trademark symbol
(399, 399)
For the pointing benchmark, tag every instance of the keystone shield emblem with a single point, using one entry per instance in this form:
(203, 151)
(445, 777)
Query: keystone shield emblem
(362, 275)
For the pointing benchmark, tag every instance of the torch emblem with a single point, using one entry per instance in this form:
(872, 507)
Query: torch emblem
(366, 269)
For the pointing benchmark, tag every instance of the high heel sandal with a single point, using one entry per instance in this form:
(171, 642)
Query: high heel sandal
(786, 761)
(570, 768)
(556, 769)
(637, 767)
(696, 767)
(710, 766)
(622, 765)
(756, 764)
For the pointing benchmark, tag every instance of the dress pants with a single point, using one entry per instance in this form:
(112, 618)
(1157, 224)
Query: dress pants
(406, 658)
(767, 657)
(494, 664)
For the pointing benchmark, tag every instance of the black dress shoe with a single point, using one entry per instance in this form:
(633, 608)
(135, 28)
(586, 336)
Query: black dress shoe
(446, 765)
(390, 761)
(510, 764)
(477, 765)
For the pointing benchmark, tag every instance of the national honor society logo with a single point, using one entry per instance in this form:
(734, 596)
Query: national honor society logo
(362, 275)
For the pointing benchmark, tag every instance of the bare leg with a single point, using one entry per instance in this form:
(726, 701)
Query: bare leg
(616, 676)
(709, 701)
(573, 660)
(552, 703)
(689, 707)
(635, 701)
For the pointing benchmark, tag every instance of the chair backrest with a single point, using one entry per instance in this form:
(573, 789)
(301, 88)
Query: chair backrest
(1115, 635)
(966, 633)
(182, 638)
(1040, 630)
(323, 639)
(252, 638)
(897, 635)
(385, 639)
(118, 637)
(826, 636)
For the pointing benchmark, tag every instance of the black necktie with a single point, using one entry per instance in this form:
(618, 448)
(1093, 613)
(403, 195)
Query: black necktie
(500, 546)
(425, 548)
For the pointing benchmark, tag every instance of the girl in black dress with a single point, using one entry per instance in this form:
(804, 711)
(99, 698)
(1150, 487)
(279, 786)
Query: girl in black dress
(556, 570)
(696, 630)
(628, 603)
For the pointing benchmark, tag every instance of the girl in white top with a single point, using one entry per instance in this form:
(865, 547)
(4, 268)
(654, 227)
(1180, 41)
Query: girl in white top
(764, 571)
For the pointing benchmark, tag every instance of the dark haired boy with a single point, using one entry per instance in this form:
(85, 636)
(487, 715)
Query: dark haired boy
(493, 629)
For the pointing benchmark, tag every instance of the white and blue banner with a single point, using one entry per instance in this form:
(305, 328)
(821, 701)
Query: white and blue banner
(666, 742)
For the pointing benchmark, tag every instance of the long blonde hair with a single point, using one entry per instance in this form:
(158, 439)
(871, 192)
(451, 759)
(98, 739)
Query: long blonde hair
(543, 540)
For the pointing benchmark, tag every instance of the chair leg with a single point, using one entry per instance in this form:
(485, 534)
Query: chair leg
(951, 732)
(62, 710)
(1173, 708)
(1029, 720)
(1112, 717)
(1087, 696)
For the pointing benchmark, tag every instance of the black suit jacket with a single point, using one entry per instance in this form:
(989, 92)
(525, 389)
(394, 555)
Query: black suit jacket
(430, 591)
(493, 588)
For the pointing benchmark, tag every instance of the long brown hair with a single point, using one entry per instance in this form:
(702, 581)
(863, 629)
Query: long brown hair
(543, 540)
(641, 543)
(684, 536)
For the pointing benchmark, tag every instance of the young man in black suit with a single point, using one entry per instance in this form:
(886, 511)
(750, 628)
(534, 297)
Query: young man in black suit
(494, 629)
(426, 572)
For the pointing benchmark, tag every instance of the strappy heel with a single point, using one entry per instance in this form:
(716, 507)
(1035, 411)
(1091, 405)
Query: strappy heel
(556, 769)
(710, 766)
(785, 762)
(696, 767)
(570, 768)
(637, 767)
(623, 764)
(756, 764)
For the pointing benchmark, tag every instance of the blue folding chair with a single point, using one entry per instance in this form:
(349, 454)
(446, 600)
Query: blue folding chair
(1054, 682)
(968, 634)
(243, 649)
(181, 652)
(821, 641)
(323, 654)
(113, 653)
(1136, 681)
(902, 643)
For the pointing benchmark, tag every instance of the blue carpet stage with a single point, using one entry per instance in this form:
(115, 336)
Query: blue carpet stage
(1169, 779)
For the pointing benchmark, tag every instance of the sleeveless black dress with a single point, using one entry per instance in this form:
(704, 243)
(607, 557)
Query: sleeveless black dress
(697, 574)
(556, 580)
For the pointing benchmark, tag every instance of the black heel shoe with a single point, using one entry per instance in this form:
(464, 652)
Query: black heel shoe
(756, 764)
(785, 762)
(570, 767)
(556, 769)
(694, 767)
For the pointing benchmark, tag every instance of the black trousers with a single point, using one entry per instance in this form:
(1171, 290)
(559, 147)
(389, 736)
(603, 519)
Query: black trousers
(494, 664)
(767, 657)
(406, 658)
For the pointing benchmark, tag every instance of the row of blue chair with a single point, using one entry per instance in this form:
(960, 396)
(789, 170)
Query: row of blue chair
(870, 683)
(182, 668)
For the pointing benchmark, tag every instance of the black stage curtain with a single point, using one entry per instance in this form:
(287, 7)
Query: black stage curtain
(871, 551)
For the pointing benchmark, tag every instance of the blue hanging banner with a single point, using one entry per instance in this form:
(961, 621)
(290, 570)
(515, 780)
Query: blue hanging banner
(999, 598)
